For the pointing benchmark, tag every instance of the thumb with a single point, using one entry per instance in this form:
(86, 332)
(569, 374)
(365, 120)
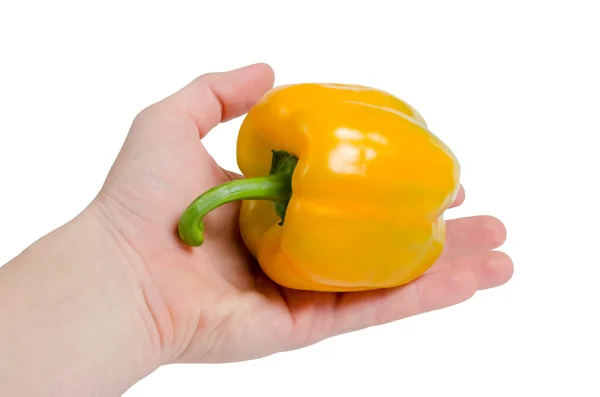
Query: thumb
(211, 99)
(162, 153)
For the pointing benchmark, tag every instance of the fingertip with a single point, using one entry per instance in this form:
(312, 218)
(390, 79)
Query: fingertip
(499, 269)
(258, 65)
(265, 70)
(261, 71)
(230, 175)
(216, 97)
(240, 89)
(460, 197)
(496, 230)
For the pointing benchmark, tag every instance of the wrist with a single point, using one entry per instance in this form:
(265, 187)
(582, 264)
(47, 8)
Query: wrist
(75, 319)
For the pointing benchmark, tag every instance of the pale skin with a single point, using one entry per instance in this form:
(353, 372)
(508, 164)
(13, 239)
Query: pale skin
(104, 300)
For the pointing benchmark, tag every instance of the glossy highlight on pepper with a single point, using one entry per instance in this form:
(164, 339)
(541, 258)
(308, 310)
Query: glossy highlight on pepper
(345, 189)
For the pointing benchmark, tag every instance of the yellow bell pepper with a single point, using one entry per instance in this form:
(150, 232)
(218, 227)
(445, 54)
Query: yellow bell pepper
(344, 189)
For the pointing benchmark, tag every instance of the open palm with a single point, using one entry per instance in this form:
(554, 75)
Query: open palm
(213, 304)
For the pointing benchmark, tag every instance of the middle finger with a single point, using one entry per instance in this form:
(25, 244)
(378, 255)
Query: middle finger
(473, 234)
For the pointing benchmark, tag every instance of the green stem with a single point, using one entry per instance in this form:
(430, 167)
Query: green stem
(276, 187)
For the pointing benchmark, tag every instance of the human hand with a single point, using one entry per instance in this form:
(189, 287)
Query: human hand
(213, 304)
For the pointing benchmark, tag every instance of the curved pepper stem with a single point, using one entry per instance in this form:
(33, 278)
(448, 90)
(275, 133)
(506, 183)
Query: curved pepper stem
(276, 187)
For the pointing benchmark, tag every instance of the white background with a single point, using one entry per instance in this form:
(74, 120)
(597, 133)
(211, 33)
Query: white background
(512, 87)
